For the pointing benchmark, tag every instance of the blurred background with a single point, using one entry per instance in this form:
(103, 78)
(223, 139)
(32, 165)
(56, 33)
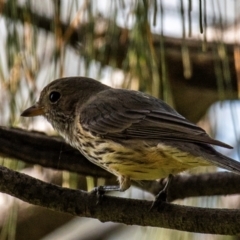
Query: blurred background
(182, 51)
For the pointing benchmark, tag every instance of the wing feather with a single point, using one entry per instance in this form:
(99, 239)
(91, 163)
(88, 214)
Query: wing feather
(125, 114)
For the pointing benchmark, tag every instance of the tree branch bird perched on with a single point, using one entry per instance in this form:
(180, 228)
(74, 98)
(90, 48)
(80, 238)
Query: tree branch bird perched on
(131, 134)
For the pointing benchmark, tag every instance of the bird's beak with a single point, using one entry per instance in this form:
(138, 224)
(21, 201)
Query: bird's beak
(33, 111)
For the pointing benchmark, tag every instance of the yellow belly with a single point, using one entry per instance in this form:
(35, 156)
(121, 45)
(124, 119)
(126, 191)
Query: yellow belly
(136, 160)
(151, 163)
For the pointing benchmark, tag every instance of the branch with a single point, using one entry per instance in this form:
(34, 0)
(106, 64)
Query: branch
(52, 152)
(207, 184)
(80, 203)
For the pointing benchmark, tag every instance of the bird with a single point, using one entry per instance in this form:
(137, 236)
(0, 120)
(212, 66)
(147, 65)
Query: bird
(131, 134)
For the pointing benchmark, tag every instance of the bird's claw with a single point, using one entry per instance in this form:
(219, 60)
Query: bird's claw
(99, 191)
(162, 195)
(160, 198)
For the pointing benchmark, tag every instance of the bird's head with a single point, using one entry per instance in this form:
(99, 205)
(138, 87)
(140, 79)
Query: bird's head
(60, 101)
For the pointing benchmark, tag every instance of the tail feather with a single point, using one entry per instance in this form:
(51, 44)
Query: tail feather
(225, 162)
(208, 153)
(230, 164)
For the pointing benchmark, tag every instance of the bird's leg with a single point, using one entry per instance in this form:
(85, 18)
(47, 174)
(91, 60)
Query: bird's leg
(162, 195)
(125, 183)
(101, 190)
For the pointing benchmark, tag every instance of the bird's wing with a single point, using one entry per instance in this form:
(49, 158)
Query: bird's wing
(123, 114)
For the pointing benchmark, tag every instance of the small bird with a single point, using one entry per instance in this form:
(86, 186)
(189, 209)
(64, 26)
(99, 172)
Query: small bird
(131, 134)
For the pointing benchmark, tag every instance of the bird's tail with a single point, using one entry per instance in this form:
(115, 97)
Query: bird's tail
(208, 153)
(225, 162)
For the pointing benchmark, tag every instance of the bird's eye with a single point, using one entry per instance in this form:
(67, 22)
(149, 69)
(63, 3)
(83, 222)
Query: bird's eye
(54, 96)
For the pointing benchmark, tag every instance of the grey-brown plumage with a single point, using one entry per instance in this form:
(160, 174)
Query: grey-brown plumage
(131, 134)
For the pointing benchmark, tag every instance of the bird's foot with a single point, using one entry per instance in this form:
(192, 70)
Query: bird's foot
(101, 190)
(162, 195)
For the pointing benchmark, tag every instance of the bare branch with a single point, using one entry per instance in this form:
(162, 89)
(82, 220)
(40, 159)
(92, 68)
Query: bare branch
(52, 152)
(207, 184)
(128, 211)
